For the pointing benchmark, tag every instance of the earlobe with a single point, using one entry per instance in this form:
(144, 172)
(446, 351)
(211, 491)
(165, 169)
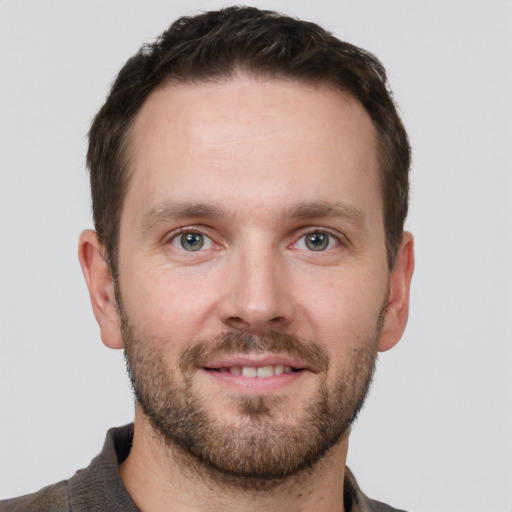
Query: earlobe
(101, 288)
(397, 311)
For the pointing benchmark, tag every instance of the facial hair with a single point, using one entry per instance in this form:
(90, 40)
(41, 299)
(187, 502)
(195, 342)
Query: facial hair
(260, 452)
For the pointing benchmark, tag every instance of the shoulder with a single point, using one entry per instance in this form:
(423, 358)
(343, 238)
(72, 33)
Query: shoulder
(53, 498)
(97, 487)
(357, 501)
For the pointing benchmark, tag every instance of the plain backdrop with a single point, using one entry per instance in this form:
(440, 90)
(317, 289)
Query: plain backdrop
(436, 433)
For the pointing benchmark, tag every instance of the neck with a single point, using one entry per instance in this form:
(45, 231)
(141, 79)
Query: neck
(159, 478)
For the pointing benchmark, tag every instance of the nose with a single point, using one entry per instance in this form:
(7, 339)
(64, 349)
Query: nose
(258, 293)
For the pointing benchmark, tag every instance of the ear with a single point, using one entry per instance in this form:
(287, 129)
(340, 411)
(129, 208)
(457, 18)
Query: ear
(397, 310)
(101, 288)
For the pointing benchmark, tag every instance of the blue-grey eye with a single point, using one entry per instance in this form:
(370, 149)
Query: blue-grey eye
(191, 241)
(317, 241)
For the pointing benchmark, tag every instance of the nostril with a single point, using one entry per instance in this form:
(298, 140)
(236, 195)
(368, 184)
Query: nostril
(237, 323)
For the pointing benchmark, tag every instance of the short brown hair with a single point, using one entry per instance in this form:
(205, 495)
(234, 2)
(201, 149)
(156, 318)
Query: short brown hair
(215, 45)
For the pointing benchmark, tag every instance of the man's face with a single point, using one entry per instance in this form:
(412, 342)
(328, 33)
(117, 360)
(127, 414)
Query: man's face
(252, 269)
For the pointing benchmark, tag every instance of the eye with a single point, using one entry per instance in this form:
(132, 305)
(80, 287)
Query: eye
(191, 241)
(317, 241)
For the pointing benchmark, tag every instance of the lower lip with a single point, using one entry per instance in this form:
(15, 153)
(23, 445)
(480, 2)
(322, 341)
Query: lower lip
(255, 384)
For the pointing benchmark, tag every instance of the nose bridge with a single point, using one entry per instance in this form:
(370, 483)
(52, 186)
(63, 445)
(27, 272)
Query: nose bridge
(255, 299)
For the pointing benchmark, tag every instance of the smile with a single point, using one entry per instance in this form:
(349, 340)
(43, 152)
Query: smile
(252, 372)
(256, 374)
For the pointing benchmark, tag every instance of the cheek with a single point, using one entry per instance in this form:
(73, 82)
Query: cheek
(343, 311)
(165, 303)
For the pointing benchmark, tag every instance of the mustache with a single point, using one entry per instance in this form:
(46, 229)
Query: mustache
(274, 342)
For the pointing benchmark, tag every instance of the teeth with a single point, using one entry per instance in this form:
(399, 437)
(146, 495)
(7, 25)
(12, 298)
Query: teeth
(249, 371)
(237, 370)
(261, 372)
(265, 371)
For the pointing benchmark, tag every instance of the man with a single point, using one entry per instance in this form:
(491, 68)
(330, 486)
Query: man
(249, 176)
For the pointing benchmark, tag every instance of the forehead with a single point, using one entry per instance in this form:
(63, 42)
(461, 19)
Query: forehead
(273, 140)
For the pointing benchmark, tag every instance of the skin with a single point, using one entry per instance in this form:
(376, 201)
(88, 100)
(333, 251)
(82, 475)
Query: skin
(273, 161)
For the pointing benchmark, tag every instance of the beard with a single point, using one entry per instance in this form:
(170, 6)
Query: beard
(261, 450)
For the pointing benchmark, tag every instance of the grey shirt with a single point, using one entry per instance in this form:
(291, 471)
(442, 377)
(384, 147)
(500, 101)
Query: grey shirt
(98, 488)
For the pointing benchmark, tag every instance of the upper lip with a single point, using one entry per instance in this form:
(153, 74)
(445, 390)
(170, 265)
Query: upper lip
(256, 361)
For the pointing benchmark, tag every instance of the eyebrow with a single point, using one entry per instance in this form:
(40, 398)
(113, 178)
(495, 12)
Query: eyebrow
(326, 210)
(171, 211)
(167, 212)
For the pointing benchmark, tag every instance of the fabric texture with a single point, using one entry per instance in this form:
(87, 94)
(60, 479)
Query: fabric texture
(98, 488)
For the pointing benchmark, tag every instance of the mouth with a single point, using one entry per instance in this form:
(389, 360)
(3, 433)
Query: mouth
(264, 374)
(256, 372)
